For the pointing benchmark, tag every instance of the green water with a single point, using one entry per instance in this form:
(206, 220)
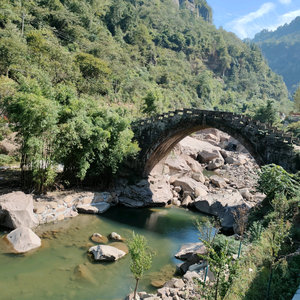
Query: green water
(48, 273)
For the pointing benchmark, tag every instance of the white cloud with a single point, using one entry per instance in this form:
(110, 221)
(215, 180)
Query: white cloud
(285, 1)
(247, 25)
(288, 17)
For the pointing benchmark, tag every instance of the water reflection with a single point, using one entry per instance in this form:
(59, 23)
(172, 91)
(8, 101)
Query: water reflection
(50, 273)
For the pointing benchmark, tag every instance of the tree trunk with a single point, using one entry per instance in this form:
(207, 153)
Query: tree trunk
(137, 283)
(217, 286)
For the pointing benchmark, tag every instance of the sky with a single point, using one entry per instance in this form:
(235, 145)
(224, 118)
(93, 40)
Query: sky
(247, 17)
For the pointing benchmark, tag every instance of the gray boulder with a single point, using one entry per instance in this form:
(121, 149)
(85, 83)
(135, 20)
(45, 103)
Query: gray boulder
(189, 184)
(218, 181)
(198, 177)
(206, 156)
(187, 250)
(104, 252)
(221, 205)
(174, 283)
(215, 163)
(16, 210)
(97, 208)
(23, 239)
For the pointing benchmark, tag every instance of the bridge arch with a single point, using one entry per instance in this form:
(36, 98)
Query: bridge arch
(157, 136)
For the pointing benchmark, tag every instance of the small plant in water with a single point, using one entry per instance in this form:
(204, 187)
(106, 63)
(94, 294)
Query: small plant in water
(140, 260)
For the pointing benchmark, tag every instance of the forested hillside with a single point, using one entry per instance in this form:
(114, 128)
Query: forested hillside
(118, 51)
(74, 73)
(282, 50)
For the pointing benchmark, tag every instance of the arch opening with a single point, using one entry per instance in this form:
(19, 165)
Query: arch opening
(168, 141)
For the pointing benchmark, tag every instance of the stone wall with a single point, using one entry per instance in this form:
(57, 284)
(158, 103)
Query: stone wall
(50, 210)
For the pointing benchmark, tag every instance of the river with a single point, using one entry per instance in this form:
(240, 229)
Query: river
(48, 273)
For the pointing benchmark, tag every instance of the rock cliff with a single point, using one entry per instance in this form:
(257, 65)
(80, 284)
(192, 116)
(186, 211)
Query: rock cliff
(201, 6)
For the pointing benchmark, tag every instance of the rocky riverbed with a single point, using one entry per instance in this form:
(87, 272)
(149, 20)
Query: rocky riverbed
(209, 171)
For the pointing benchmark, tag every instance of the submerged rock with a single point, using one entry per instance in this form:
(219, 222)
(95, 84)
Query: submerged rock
(23, 240)
(82, 273)
(121, 246)
(103, 252)
(98, 238)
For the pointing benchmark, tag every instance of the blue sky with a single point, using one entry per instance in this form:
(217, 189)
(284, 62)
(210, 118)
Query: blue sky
(247, 17)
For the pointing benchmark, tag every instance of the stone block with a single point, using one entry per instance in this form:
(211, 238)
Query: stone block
(87, 200)
(50, 219)
(60, 209)
(52, 205)
(60, 217)
(68, 199)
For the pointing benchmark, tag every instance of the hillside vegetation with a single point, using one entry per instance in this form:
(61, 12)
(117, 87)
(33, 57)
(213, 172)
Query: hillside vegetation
(74, 73)
(119, 50)
(281, 48)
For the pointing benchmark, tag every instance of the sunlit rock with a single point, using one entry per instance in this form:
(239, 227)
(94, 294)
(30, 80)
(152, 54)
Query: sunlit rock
(104, 252)
(23, 239)
(16, 210)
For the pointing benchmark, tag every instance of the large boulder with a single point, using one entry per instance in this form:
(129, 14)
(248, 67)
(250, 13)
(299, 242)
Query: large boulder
(198, 177)
(189, 184)
(218, 181)
(215, 163)
(193, 259)
(221, 205)
(16, 210)
(192, 163)
(161, 190)
(23, 239)
(187, 250)
(174, 283)
(177, 164)
(104, 252)
(192, 146)
(199, 191)
(207, 155)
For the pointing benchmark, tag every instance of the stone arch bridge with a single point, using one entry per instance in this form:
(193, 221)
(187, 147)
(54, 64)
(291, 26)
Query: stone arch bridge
(158, 135)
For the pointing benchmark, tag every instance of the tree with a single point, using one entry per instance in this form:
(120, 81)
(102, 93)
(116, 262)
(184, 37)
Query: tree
(296, 97)
(267, 113)
(150, 104)
(140, 260)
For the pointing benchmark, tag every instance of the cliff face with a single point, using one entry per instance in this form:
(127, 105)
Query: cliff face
(202, 8)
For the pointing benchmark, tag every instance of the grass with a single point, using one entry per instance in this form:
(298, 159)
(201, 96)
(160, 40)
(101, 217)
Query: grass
(252, 282)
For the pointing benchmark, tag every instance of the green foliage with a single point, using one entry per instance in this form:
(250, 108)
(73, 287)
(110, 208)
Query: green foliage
(274, 180)
(150, 104)
(296, 97)
(294, 128)
(117, 51)
(91, 66)
(6, 160)
(78, 62)
(276, 183)
(69, 130)
(284, 42)
(221, 241)
(255, 232)
(141, 261)
(224, 270)
(267, 113)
